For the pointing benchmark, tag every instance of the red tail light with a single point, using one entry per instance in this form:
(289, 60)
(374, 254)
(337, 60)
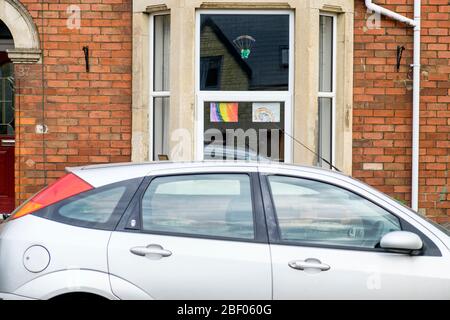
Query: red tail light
(63, 188)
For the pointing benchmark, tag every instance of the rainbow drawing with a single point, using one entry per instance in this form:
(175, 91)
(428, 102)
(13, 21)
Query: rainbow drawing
(224, 112)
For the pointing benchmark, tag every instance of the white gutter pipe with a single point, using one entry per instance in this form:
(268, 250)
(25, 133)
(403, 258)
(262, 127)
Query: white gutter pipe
(415, 23)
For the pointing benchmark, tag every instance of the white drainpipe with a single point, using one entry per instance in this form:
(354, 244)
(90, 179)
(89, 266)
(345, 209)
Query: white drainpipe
(415, 23)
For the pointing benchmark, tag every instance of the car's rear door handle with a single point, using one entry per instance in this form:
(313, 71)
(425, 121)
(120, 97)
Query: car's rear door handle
(154, 250)
(310, 263)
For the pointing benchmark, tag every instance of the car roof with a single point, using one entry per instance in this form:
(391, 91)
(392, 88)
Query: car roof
(103, 174)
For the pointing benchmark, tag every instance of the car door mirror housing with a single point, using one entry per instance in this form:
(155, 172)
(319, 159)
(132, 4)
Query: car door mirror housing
(402, 242)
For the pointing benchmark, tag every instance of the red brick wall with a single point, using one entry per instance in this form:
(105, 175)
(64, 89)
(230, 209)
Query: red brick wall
(383, 104)
(88, 114)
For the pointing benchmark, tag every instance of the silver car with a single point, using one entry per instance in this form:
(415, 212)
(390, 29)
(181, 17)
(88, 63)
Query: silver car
(219, 230)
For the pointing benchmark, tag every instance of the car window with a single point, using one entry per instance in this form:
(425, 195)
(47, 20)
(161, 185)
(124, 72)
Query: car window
(96, 208)
(207, 204)
(99, 208)
(316, 212)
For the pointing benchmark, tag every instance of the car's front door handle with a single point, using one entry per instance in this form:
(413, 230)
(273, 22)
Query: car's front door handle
(309, 264)
(154, 250)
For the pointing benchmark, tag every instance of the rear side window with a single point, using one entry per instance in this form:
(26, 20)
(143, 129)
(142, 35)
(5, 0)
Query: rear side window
(215, 205)
(99, 208)
(94, 208)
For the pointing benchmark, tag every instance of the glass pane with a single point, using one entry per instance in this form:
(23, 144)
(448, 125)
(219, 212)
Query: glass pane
(325, 131)
(244, 131)
(209, 205)
(100, 208)
(6, 99)
(160, 126)
(240, 52)
(6, 39)
(161, 52)
(326, 54)
(96, 208)
(315, 212)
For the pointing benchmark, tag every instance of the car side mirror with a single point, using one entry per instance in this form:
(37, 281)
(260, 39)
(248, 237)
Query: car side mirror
(402, 242)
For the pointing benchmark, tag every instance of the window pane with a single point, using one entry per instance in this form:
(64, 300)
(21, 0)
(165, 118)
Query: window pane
(244, 52)
(210, 205)
(161, 52)
(6, 39)
(244, 131)
(6, 99)
(100, 208)
(160, 126)
(325, 131)
(96, 208)
(315, 212)
(326, 54)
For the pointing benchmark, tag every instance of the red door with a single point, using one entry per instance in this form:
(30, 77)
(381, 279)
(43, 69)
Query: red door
(7, 135)
(6, 174)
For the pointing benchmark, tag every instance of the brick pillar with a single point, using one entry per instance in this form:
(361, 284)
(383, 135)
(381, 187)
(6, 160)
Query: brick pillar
(29, 162)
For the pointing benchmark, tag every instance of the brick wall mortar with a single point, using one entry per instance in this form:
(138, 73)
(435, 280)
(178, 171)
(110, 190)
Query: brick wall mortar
(87, 114)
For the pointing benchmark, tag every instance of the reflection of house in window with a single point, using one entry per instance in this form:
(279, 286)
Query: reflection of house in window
(222, 67)
(211, 71)
(267, 67)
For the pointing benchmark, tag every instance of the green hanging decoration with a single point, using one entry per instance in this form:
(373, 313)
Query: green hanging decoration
(245, 53)
(244, 44)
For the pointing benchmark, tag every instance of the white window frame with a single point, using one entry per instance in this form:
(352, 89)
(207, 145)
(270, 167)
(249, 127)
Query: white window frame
(245, 96)
(152, 93)
(331, 94)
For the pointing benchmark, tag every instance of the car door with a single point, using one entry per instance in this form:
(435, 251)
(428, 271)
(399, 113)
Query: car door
(325, 245)
(194, 236)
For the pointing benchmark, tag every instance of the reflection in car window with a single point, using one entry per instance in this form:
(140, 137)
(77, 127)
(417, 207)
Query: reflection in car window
(316, 212)
(434, 223)
(209, 205)
(96, 208)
